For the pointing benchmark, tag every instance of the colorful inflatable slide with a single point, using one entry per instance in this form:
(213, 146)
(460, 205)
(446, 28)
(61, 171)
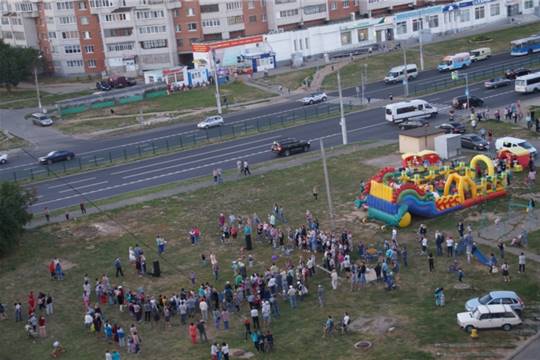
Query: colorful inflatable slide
(424, 187)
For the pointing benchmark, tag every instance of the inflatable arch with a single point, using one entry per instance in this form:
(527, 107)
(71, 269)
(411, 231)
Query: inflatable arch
(485, 160)
(462, 182)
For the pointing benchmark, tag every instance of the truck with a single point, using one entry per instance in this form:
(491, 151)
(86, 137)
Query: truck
(455, 62)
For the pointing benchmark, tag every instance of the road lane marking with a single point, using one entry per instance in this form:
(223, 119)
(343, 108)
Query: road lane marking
(83, 187)
(70, 183)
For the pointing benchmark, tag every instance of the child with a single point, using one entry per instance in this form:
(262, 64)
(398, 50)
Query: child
(460, 274)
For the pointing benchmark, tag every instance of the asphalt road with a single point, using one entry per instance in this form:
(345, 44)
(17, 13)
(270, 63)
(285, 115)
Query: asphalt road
(88, 149)
(104, 183)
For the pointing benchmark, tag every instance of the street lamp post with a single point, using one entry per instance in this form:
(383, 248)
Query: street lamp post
(37, 83)
(405, 80)
(216, 81)
(342, 122)
(421, 50)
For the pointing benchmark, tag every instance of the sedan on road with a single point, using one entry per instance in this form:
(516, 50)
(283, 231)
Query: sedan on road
(460, 102)
(497, 83)
(314, 98)
(413, 124)
(211, 121)
(56, 156)
(41, 119)
(288, 146)
(514, 73)
(452, 128)
(3, 159)
(473, 141)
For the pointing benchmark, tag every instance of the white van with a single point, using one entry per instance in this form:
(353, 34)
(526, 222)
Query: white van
(397, 74)
(480, 54)
(528, 83)
(405, 110)
(509, 142)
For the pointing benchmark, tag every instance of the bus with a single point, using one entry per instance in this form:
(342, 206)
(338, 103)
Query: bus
(455, 62)
(405, 110)
(528, 83)
(525, 46)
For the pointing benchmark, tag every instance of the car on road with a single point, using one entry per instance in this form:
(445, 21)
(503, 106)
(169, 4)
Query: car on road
(41, 119)
(288, 146)
(497, 83)
(489, 317)
(314, 98)
(497, 297)
(3, 159)
(459, 102)
(514, 73)
(509, 142)
(474, 142)
(56, 156)
(211, 121)
(413, 124)
(452, 128)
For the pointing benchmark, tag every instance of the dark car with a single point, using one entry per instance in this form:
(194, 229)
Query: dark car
(103, 85)
(413, 124)
(473, 141)
(289, 146)
(497, 83)
(514, 73)
(452, 128)
(460, 102)
(55, 156)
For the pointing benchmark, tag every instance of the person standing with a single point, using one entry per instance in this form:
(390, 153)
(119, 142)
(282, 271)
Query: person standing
(291, 293)
(521, 262)
(328, 326)
(18, 311)
(49, 307)
(160, 242)
(193, 333)
(202, 330)
(450, 246)
(203, 306)
(315, 192)
(42, 324)
(320, 295)
(118, 267)
(505, 272)
(46, 213)
(225, 350)
(83, 208)
(431, 262)
(334, 279)
(255, 318)
(246, 168)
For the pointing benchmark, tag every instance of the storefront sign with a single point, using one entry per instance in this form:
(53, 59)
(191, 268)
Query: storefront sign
(432, 10)
(206, 47)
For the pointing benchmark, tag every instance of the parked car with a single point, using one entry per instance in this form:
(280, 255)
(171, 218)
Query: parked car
(314, 98)
(288, 146)
(413, 124)
(56, 156)
(497, 297)
(3, 159)
(452, 128)
(497, 83)
(489, 317)
(103, 85)
(211, 121)
(509, 142)
(41, 119)
(514, 73)
(473, 141)
(459, 102)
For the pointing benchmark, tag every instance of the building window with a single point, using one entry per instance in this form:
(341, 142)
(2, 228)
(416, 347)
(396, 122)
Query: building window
(47, 6)
(87, 35)
(154, 44)
(70, 34)
(346, 4)
(178, 28)
(279, 2)
(120, 46)
(150, 14)
(252, 18)
(89, 49)
(210, 8)
(287, 13)
(234, 5)
(74, 63)
(190, 12)
(232, 20)
(211, 23)
(479, 13)
(72, 49)
(67, 20)
(51, 35)
(401, 27)
(528, 4)
(179, 43)
(464, 15)
(192, 26)
(84, 20)
(417, 25)
(91, 63)
(295, 45)
(346, 38)
(5, 21)
(433, 21)
(333, 6)
(64, 5)
(116, 17)
(50, 20)
(101, 3)
(314, 9)
(495, 9)
(82, 5)
(176, 13)
(307, 43)
(152, 29)
(251, 4)
(362, 34)
(263, 18)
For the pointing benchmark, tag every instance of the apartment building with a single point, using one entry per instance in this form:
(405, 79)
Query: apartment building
(17, 23)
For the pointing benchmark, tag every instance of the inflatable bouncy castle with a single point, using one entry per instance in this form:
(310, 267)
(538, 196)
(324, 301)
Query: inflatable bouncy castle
(423, 186)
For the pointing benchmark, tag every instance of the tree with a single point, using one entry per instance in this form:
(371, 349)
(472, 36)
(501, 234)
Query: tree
(16, 64)
(14, 215)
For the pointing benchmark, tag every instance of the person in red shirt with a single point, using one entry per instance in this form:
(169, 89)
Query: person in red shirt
(42, 325)
(52, 269)
(193, 333)
(31, 303)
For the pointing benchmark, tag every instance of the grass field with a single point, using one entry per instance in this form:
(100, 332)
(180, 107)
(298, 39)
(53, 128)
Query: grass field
(291, 80)
(16, 99)
(12, 142)
(379, 65)
(91, 244)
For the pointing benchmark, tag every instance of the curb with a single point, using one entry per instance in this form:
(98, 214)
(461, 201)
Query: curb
(523, 346)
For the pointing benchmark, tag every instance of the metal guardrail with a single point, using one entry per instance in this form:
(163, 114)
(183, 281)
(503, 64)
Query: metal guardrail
(172, 143)
(480, 74)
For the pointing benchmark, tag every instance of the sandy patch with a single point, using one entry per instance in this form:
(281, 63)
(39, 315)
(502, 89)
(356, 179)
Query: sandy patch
(99, 229)
(373, 325)
(384, 161)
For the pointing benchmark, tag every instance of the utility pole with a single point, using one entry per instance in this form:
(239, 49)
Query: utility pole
(327, 182)
(216, 81)
(421, 50)
(405, 80)
(467, 89)
(342, 122)
(365, 77)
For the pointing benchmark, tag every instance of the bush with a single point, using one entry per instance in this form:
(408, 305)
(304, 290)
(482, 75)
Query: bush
(14, 215)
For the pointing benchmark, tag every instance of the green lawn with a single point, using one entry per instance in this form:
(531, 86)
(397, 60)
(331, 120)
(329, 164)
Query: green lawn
(89, 126)
(90, 245)
(16, 99)
(291, 80)
(378, 65)
(12, 142)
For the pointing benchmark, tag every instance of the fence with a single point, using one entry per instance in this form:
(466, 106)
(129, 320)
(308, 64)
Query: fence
(473, 75)
(174, 142)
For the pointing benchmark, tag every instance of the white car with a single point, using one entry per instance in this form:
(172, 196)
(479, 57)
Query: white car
(509, 142)
(211, 121)
(489, 317)
(314, 98)
(3, 159)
